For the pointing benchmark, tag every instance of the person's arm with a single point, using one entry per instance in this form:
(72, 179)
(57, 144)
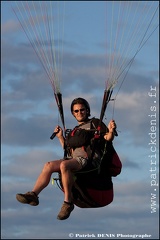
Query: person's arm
(109, 136)
(59, 134)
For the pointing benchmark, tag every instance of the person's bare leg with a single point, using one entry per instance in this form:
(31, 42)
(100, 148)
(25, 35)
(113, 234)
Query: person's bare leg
(45, 176)
(67, 168)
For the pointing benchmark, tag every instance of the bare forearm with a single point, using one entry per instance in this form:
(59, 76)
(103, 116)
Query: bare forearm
(61, 140)
(109, 136)
(59, 134)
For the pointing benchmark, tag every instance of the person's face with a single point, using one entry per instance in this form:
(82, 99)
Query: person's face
(79, 112)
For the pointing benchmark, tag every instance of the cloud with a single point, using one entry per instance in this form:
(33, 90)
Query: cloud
(35, 159)
(25, 132)
(9, 27)
(101, 220)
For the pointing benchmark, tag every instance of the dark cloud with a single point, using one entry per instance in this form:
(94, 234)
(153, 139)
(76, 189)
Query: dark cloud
(26, 132)
(130, 164)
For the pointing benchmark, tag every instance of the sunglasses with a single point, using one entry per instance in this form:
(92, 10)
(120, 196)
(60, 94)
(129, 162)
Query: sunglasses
(80, 110)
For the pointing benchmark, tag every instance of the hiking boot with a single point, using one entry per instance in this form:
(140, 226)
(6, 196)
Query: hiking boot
(28, 198)
(65, 211)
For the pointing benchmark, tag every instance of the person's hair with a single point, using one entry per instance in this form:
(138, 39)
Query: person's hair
(81, 101)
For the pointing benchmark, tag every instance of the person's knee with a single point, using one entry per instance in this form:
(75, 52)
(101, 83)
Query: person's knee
(47, 167)
(63, 166)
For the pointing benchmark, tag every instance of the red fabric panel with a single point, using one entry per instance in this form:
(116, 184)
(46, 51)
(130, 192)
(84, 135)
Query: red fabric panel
(116, 165)
(102, 197)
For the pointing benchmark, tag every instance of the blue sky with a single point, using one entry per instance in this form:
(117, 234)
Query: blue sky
(29, 115)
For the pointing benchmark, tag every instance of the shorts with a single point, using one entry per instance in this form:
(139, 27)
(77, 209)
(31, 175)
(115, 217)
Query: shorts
(82, 161)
